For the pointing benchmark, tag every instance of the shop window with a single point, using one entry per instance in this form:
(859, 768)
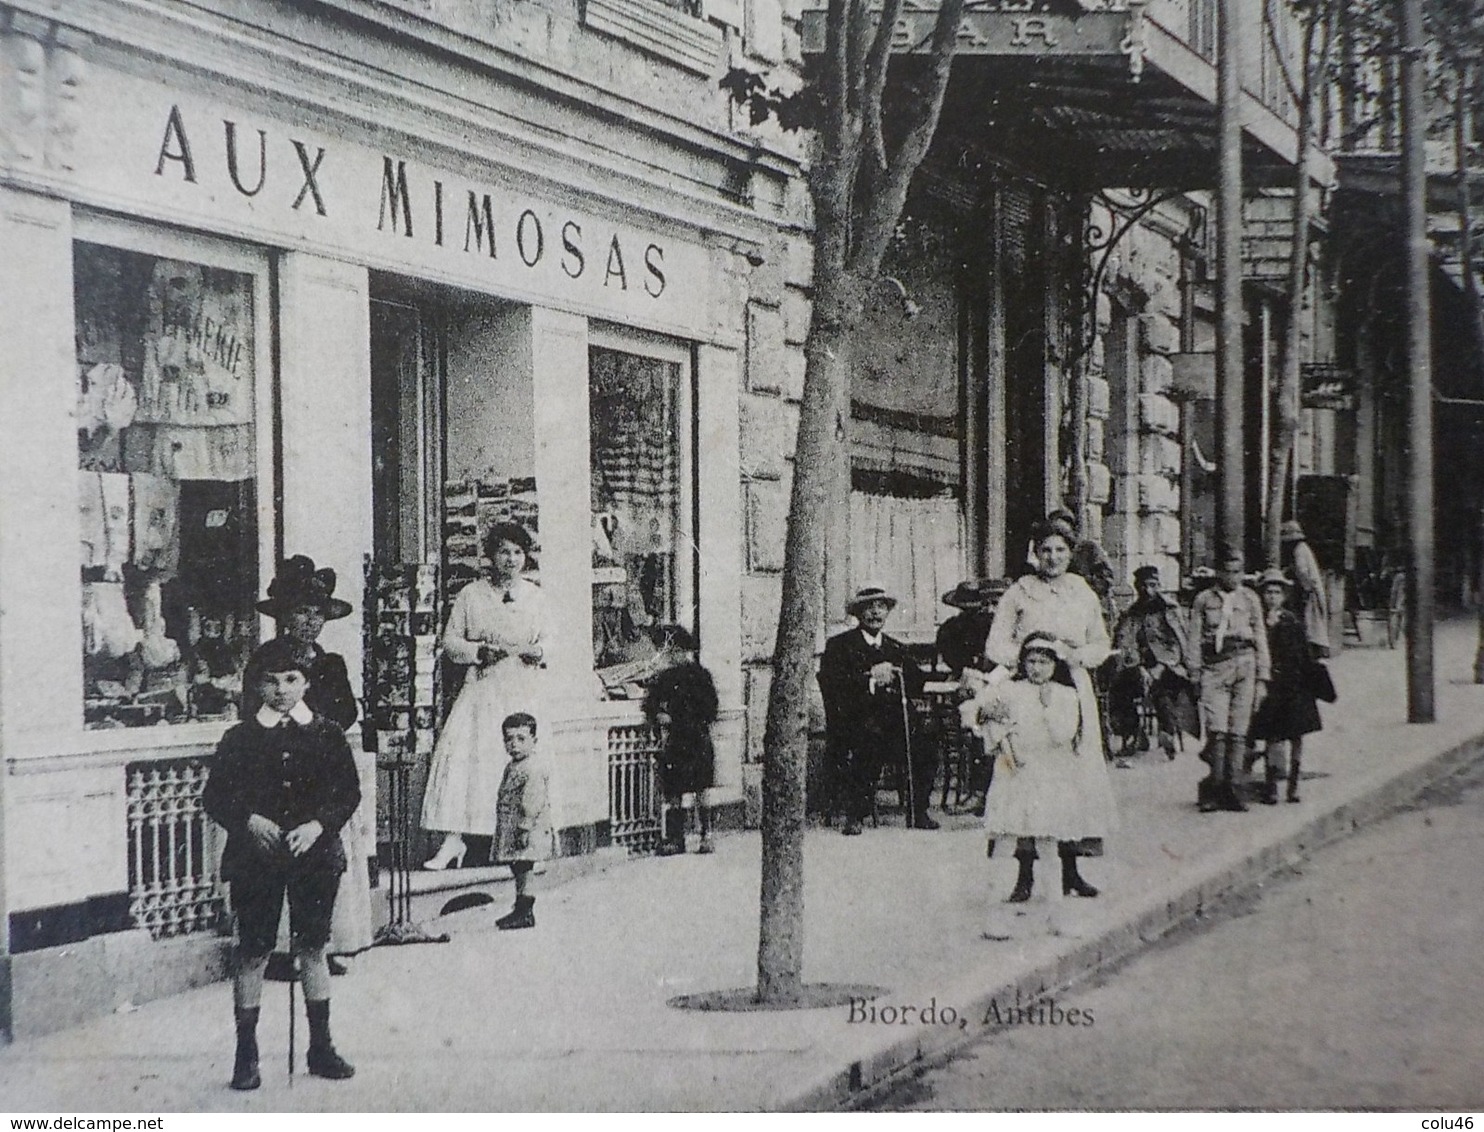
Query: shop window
(167, 484)
(642, 561)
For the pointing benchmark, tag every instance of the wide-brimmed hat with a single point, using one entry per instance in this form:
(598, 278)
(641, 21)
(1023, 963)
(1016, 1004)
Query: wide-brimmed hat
(1291, 530)
(299, 583)
(1272, 576)
(976, 593)
(1146, 572)
(871, 591)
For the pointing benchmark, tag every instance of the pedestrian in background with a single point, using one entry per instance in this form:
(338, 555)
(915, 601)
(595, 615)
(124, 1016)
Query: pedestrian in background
(1289, 712)
(523, 830)
(1311, 601)
(681, 704)
(1230, 666)
(1153, 659)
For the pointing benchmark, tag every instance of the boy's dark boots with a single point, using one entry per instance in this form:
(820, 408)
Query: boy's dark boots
(1072, 883)
(245, 1073)
(1208, 792)
(1270, 787)
(1026, 878)
(323, 1060)
(1294, 760)
(1231, 775)
(523, 915)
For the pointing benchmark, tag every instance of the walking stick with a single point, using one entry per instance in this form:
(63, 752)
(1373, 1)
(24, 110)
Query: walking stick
(907, 738)
(293, 982)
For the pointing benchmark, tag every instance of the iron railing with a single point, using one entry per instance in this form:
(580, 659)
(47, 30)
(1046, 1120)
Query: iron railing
(633, 798)
(173, 886)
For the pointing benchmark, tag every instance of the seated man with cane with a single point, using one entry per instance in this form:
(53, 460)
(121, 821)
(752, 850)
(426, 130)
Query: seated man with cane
(866, 679)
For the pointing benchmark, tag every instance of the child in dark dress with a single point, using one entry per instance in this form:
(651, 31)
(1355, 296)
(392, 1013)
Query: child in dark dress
(282, 784)
(681, 703)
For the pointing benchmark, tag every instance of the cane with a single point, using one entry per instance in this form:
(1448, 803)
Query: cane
(293, 982)
(907, 738)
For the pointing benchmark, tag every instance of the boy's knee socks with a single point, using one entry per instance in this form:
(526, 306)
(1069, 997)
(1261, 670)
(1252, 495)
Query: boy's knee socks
(247, 982)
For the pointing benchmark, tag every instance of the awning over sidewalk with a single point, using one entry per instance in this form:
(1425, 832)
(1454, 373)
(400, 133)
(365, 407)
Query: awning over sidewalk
(1090, 99)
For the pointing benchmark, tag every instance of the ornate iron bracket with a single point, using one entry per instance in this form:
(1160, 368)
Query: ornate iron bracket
(1126, 210)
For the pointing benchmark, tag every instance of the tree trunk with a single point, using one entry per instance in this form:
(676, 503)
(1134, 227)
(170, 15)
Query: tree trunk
(820, 449)
(1285, 419)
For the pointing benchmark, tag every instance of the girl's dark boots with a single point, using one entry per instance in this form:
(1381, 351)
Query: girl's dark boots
(523, 915)
(1023, 882)
(1072, 883)
(674, 832)
(245, 1073)
(323, 1060)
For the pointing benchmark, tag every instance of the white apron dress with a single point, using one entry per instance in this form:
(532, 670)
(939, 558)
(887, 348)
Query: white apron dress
(469, 759)
(1043, 785)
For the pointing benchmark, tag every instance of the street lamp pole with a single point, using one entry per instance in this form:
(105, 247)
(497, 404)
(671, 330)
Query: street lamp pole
(1231, 523)
(1419, 365)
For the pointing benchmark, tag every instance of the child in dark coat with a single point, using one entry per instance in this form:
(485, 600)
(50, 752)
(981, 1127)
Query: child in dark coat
(282, 784)
(1289, 712)
(522, 816)
(681, 703)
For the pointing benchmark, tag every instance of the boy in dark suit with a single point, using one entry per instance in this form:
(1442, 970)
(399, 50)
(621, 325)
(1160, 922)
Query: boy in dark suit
(282, 784)
(863, 677)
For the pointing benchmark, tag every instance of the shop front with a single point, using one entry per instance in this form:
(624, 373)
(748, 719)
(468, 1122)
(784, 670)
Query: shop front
(275, 302)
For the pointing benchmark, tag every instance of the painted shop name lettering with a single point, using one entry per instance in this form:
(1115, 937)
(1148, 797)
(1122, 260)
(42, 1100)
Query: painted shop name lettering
(467, 220)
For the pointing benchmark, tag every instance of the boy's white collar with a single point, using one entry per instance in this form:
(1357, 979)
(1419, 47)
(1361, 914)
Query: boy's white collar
(299, 713)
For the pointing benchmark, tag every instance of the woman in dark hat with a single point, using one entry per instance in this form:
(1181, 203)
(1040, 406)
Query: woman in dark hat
(961, 637)
(301, 599)
(497, 627)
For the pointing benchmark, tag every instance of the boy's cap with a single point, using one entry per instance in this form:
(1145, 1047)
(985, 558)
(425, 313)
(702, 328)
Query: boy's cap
(281, 654)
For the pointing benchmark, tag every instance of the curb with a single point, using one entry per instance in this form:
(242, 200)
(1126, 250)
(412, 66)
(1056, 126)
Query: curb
(868, 1077)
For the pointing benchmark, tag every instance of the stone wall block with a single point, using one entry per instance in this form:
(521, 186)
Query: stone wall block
(796, 309)
(765, 350)
(1156, 373)
(1096, 441)
(761, 595)
(767, 525)
(795, 362)
(1098, 398)
(1159, 334)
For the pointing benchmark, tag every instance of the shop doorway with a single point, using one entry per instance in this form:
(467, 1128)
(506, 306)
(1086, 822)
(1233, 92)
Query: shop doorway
(453, 433)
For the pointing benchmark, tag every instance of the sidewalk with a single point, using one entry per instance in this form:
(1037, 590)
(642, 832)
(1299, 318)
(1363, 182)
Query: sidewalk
(573, 1015)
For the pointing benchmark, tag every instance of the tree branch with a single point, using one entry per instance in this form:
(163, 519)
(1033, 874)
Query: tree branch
(1270, 26)
(877, 64)
(881, 207)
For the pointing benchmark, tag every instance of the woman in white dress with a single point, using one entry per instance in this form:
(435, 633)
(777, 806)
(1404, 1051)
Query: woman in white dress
(1063, 606)
(498, 628)
(1046, 785)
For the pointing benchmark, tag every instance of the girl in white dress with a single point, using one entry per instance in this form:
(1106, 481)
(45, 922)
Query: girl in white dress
(1045, 786)
(498, 628)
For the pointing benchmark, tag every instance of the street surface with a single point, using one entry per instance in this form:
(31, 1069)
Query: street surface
(1355, 981)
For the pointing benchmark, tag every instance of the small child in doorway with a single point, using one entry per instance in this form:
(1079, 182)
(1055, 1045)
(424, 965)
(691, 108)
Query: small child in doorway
(282, 784)
(681, 703)
(522, 821)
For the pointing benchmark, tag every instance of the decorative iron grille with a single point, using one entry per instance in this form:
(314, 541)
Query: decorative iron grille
(633, 800)
(173, 888)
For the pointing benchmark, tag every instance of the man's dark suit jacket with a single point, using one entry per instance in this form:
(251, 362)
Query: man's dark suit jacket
(852, 714)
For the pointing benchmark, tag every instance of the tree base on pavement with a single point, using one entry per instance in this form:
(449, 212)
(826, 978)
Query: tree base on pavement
(812, 996)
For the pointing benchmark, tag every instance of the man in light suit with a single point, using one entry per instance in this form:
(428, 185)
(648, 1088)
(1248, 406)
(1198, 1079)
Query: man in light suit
(863, 677)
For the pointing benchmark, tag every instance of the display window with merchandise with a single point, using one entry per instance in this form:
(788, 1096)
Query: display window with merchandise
(168, 356)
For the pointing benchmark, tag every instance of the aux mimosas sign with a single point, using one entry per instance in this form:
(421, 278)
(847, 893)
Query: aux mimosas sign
(294, 186)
